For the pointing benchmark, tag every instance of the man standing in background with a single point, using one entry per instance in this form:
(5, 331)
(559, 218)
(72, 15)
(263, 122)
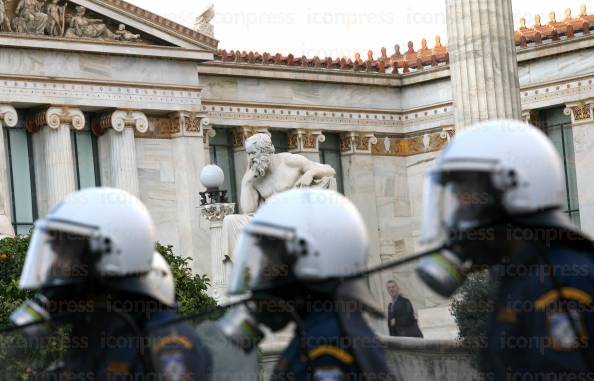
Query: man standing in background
(401, 316)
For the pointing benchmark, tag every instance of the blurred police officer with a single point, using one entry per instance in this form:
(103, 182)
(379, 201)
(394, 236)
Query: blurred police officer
(291, 258)
(495, 199)
(93, 264)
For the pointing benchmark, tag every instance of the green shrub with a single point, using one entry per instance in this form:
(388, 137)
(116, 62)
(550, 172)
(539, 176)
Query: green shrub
(471, 308)
(190, 288)
(12, 259)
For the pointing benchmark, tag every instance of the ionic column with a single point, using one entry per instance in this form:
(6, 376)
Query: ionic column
(359, 187)
(306, 143)
(582, 119)
(52, 148)
(189, 138)
(117, 150)
(483, 62)
(8, 118)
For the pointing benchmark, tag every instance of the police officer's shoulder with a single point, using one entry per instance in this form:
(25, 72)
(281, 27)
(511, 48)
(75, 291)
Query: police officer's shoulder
(327, 348)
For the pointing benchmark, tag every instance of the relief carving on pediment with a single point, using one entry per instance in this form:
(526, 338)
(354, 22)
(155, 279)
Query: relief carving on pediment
(59, 18)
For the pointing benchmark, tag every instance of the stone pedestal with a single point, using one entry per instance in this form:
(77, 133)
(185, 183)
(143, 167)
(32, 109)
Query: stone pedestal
(215, 214)
(8, 118)
(483, 60)
(117, 151)
(306, 143)
(52, 146)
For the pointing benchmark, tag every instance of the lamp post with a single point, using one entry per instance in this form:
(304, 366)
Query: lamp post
(215, 207)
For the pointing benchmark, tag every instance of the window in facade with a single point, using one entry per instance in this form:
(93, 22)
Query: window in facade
(21, 173)
(221, 154)
(86, 160)
(280, 141)
(557, 126)
(330, 154)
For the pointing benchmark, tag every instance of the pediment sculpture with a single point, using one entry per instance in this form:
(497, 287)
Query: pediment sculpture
(60, 18)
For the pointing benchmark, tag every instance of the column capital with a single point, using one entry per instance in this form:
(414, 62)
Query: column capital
(56, 116)
(357, 142)
(185, 123)
(529, 116)
(8, 116)
(580, 112)
(302, 140)
(240, 134)
(119, 120)
(217, 212)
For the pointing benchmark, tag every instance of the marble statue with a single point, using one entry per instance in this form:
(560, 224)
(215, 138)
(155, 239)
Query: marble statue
(30, 17)
(4, 20)
(270, 173)
(124, 35)
(81, 26)
(57, 18)
(203, 24)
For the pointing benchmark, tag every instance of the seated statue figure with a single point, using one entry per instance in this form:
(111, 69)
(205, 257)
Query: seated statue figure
(269, 173)
(82, 26)
(29, 17)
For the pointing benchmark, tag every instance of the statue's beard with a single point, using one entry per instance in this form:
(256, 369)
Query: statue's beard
(260, 164)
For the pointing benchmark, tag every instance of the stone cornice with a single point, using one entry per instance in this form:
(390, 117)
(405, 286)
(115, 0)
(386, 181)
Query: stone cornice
(100, 94)
(331, 118)
(119, 120)
(56, 116)
(12, 40)
(8, 116)
(157, 21)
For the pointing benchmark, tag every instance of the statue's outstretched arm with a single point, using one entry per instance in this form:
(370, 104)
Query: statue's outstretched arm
(311, 170)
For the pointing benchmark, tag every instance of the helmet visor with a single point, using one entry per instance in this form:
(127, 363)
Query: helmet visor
(58, 254)
(458, 201)
(261, 259)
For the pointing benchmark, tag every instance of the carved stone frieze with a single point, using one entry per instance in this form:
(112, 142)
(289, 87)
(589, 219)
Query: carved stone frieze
(60, 18)
(403, 145)
(54, 117)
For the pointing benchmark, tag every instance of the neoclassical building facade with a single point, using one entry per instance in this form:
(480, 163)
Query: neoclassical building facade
(101, 92)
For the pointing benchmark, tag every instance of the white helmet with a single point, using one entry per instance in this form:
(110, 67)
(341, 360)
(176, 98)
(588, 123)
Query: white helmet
(495, 168)
(305, 235)
(104, 231)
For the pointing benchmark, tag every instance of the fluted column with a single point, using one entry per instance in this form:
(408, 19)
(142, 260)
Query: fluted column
(52, 146)
(8, 118)
(117, 150)
(189, 137)
(483, 62)
(306, 143)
